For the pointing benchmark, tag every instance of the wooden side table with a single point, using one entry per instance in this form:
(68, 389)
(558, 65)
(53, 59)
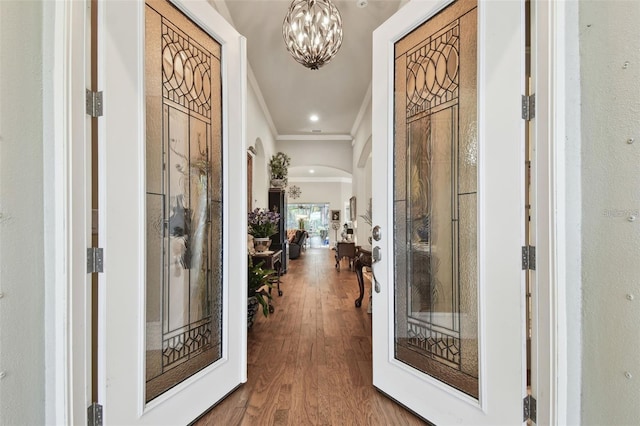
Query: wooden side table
(272, 260)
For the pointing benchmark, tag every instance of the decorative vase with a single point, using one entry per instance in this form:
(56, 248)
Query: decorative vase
(261, 244)
(252, 310)
(277, 183)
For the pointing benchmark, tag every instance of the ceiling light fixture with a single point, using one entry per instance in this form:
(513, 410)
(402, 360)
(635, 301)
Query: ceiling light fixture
(314, 117)
(312, 171)
(312, 32)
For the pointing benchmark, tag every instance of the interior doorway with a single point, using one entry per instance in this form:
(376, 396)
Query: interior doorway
(313, 218)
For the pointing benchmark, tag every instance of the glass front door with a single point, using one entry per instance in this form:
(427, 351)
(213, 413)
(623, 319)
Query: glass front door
(448, 172)
(173, 293)
(184, 198)
(435, 197)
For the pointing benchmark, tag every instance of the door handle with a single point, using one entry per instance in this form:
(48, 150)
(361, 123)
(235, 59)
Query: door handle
(376, 256)
(376, 233)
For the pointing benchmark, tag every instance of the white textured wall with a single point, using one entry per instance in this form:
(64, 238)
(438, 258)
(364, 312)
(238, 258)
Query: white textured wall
(610, 79)
(22, 350)
(362, 175)
(573, 202)
(258, 128)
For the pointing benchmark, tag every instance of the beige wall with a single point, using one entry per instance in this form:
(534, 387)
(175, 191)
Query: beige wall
(573, 202)
(610, 115)
(260, 137)
(362, 175)
(22, 271)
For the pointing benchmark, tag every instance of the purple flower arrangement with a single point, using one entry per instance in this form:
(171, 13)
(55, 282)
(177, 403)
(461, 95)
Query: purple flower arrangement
(263, 223)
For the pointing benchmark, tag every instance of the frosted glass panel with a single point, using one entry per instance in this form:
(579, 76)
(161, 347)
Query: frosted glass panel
(184, 203)
(435, 198)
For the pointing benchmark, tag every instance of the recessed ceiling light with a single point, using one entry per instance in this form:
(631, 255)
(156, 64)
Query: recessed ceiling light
(311, 171)
(313, 117)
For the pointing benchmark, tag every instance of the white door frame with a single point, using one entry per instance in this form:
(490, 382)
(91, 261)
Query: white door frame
(70, 355)
(549, 343)
(71, 223)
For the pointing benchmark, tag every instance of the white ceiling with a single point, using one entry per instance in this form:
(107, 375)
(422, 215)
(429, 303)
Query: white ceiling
(292, 92)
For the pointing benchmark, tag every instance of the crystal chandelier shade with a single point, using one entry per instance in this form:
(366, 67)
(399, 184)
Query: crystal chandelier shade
(312, 32)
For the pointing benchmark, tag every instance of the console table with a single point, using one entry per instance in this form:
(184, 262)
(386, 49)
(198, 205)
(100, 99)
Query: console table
(272, 260)
(363, 258)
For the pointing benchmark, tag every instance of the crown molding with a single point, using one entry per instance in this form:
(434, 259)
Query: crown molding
(320, 179)
(318, 137)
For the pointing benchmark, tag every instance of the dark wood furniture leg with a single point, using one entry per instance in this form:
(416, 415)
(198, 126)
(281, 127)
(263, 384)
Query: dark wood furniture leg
(276, 264)
(279, 271)
(362, 259)
(358, 268)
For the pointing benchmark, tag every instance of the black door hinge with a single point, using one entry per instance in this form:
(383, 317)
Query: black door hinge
(529, 408)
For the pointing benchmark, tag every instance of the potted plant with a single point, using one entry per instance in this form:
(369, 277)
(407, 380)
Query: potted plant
(262, 225)
(279, 167)
(259, 286)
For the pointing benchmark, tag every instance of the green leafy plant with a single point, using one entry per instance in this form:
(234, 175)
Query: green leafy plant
(259, 282)
(279, 166)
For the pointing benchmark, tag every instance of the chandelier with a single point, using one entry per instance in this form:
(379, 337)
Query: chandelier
(312, 32)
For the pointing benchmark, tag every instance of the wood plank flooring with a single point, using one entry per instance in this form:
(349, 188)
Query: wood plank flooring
(309, 363)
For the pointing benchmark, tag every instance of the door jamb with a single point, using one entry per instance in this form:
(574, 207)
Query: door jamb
(549, 210)
(70, 354)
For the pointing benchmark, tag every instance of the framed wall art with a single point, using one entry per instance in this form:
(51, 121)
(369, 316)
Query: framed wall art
(352, 208)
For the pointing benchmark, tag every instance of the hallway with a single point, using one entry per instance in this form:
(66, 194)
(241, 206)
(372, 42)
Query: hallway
(310, 361)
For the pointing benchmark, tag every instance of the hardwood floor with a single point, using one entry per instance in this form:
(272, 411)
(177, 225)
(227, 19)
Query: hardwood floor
(310, 361)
